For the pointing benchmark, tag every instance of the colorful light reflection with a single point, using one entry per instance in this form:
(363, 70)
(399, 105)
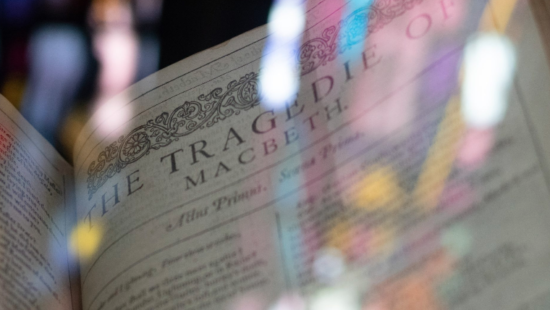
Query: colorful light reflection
(84, 240)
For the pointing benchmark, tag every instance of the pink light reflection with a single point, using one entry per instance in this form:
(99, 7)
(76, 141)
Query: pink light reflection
(117, 52)
(289, 301)
(475, 148)
(116, 47)
(248, 301)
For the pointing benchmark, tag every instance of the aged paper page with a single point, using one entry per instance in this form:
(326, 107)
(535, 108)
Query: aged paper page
(35, 196)
(369, 189)
(541, 11)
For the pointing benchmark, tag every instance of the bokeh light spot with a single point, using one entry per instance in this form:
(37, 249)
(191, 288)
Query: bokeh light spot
(289, 302)
(84, 241)
(489, 64)
(286, 20)
(329, 265)
(378, 189)
(338, 237)
(457, 240)
(336, 298)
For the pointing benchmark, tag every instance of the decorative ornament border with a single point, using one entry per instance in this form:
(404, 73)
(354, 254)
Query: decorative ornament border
(321, 50)
(206, 111)
(239, 95)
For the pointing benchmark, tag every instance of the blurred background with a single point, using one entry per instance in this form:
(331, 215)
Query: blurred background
(60, 59)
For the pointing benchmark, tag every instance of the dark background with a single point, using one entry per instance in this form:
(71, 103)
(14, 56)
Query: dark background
(188, 27)
(182, 29)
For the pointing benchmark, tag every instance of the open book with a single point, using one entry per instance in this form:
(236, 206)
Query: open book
(377, 188)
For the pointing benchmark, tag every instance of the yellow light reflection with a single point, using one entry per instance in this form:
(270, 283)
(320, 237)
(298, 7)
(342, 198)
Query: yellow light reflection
(84, 241)
(13, 89)
(497, 15)
(339, 236)
(441, 156)
(378, 189)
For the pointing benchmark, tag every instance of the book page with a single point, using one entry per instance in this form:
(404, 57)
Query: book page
(35, 199)
(381, 186)
(541, 11)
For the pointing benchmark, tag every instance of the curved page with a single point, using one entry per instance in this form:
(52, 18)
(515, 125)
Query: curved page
(35, 208)
(381, 186)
